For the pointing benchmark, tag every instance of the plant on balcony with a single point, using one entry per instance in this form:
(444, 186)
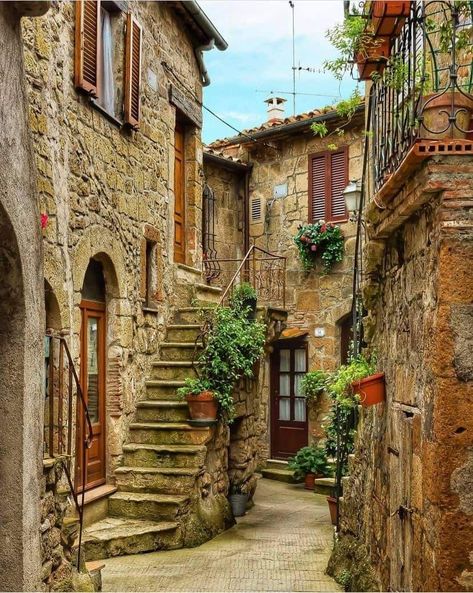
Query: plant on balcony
(313, 384)
(309, 463)
(244, 297)
(320, 240)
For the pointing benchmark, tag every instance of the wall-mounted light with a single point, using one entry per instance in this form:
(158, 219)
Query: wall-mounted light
(352, 195)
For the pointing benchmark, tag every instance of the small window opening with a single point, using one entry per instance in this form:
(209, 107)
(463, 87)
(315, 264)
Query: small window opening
(151, 273)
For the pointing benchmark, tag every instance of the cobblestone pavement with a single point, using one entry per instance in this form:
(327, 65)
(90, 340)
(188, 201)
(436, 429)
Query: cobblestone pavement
(282, 544)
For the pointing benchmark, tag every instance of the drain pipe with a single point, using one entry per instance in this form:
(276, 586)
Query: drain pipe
(200, 61)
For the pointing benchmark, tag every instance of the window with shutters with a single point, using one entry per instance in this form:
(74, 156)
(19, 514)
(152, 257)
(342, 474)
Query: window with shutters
(328, 177)
(108, 58)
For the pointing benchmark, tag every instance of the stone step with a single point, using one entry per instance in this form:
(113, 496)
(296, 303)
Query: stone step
(161, 480)
(162, 411)
(146, 505)
(324, 486)
(118, 537)
(140, 455)
(192, 314)
(157, 389)
(182, 332)
(172, 370)
(168, 433)
(180, 350)
(207, 294)
(276, 464)
(281, 475)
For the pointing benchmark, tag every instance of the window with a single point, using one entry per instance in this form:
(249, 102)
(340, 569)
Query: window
(108, 58)
(328, 177)
(151, 272)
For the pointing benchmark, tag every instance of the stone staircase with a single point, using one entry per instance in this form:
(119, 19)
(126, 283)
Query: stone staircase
(277, 469)
(163, 458)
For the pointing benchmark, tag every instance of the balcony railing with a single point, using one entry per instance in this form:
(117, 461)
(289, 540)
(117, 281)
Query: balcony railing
(424, 92)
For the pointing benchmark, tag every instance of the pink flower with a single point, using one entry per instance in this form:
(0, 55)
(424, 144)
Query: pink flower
(323, 228)
(44, 220)
(313, 247)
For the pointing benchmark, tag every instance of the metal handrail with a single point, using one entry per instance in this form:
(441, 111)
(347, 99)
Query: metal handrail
(64, 453)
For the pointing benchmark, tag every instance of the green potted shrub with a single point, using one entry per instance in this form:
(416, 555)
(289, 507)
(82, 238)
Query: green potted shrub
(308, 463)
(313, 385)
(244, 297)
(238, 499)
(322, 240)
(203, 405)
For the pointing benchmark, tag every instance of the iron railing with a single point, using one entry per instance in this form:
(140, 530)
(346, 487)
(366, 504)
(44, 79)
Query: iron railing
(65, 402)
(424, 90)
(265, 271)
(211, 265)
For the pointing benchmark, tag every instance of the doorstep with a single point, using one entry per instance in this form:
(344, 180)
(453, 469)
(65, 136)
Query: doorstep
(97, 493)
(96, 503)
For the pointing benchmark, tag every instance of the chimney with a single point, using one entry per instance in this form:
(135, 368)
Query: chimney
(275, 109)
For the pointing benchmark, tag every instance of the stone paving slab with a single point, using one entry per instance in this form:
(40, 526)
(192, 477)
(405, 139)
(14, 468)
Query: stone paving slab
(282, 544)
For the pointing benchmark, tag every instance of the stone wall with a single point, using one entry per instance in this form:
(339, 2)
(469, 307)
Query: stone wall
(105, 189)
(313, 300)
(407, 505)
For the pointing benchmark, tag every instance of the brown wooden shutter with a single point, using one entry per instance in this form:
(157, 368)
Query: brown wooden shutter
(132, 72)
(317, 187)
(338, 182)
(86, 45)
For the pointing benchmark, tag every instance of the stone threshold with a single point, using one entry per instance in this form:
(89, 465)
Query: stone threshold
(97, 493)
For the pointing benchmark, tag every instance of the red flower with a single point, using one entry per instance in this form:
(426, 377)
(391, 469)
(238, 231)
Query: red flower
(323, 228)
(44, 220)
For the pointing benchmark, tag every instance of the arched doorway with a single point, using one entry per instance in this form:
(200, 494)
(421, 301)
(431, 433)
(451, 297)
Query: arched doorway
(93, 375)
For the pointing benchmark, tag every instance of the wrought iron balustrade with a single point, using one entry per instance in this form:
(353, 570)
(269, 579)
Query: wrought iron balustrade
(424, 92)
(265, 271)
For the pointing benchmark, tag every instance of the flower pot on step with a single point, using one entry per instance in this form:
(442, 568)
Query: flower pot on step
(309, 481)
(370, 389)
(238, 504)
(202, 406)
(332, 507)
(438, 108)
(389, 16)
(373, 57)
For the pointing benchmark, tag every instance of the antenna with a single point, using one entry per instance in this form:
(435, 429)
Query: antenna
(291, 4)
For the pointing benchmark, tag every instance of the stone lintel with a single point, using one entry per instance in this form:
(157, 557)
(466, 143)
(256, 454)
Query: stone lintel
(186, 105)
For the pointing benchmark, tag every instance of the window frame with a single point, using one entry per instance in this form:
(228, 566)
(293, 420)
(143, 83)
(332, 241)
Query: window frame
(328, 198)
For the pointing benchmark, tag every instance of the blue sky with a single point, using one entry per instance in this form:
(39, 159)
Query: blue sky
(259, 58)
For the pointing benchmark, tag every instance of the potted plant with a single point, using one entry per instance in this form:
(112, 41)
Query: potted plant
(320, 240)
(332, 507)
(436, 112)
(388, 16)
(238, 499)
(313, 385)
(244, 297)
(372, 57)
(357, 378)
(201, 400)
(309, 463)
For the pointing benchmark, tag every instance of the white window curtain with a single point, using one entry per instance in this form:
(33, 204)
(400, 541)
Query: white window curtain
(108, 86)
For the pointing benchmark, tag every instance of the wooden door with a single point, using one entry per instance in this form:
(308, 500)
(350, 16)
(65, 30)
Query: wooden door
(400, 529)
(179, 196)
(92, 377)
(288, 406)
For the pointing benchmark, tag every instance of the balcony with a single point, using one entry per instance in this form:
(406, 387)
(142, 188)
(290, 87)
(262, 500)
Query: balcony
(421, 100)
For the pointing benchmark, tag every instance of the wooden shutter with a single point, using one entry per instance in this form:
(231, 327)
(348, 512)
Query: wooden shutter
(328, 177)
(317, 187)
(132, 71)
(338, 182)
(86, 45)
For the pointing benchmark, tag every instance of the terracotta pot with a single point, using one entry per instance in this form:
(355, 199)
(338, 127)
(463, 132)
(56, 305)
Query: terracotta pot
(202, 406)
(373, 58)
(370, 389)
(309, 481)
(332, 507)
(388, 17)
(437, 109)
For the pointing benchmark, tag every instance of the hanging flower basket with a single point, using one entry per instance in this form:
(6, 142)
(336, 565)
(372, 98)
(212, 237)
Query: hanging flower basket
(388, 17)
(320, 241)
(373, 57)
(371, 390)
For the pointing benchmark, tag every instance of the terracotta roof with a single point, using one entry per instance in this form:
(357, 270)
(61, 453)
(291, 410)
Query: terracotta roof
(225, 157)
(275, 125)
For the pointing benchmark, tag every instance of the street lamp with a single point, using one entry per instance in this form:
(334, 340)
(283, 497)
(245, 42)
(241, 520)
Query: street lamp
(352, 195)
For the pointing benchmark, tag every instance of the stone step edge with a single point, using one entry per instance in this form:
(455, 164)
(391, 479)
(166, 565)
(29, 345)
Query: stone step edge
(167, 471)
(184, 326)
(182, 345)
(178, 449)
(165, 426)
(150, 497)
(161, 403)
(163, 383)
(173, 363)
(129, 528)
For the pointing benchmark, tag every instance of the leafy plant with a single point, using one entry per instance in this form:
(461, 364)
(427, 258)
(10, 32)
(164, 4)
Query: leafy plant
(313, 384)
(345, 109)
(309, 460)
(339, 383)
(236, 488)
(320, 239)
(194, 386)
(232, 346)
(243, 296)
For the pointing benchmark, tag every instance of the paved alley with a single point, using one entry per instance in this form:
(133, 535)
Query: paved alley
(282, 544)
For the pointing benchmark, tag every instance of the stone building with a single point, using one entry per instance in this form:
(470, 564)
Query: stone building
(406, 516)
(115, 93)
(21, 317)
(269, 169)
